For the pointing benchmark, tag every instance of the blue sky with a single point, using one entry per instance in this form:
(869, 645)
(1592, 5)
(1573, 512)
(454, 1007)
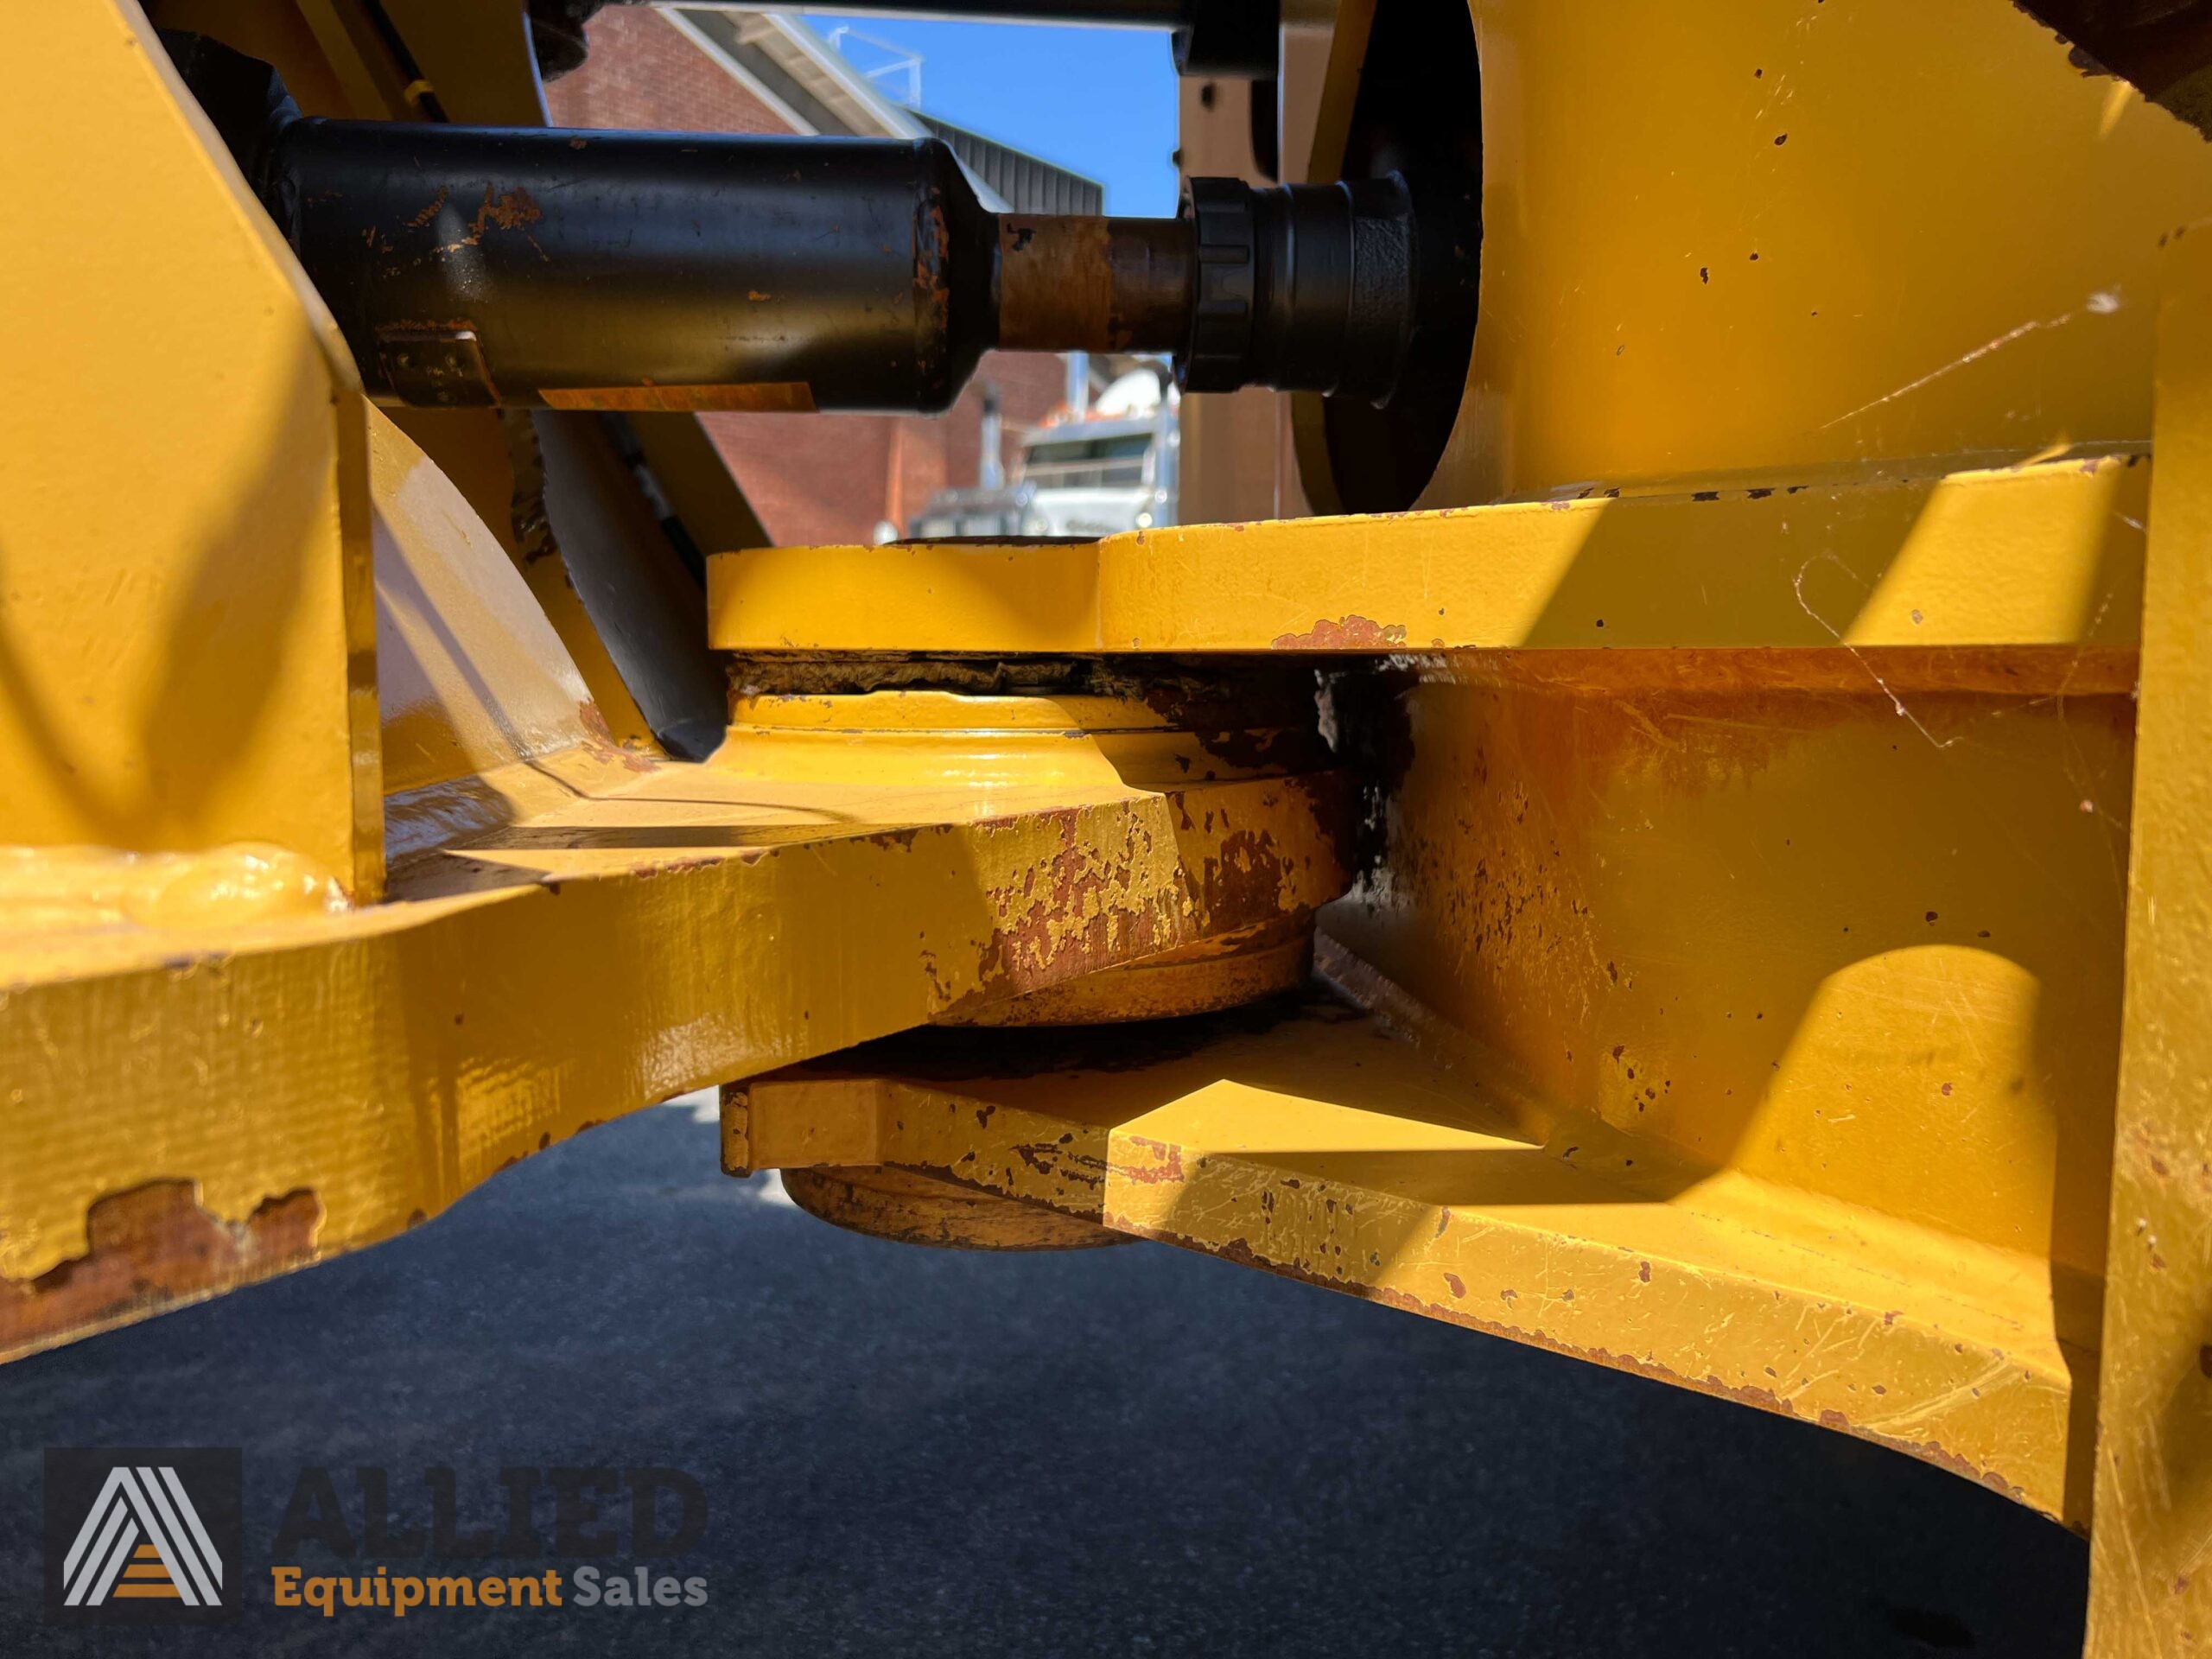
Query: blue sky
(1099, 101)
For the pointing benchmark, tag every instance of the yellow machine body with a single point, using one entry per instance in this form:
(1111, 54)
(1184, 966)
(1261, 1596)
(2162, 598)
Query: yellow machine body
(1749, 812)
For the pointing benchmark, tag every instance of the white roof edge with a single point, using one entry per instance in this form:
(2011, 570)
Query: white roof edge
(736, 70)
(894, 120)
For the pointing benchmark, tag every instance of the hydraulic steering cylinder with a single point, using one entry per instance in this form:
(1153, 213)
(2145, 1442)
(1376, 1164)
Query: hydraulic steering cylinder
(648, 270)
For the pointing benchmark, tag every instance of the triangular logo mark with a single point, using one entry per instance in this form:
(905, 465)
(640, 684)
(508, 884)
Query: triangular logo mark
(142, 1538)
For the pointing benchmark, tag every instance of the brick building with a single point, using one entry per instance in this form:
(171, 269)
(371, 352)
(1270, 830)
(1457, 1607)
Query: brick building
(835, 477)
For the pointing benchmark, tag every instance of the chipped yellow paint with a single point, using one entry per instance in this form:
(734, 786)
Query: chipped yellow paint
(653, 933)
(573, 931)
(211, 1069)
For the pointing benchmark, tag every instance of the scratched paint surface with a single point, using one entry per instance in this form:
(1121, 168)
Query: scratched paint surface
(1864, 953)
(1315, 1141)
(1805, 232)
(2151, 1555)
(562, 971)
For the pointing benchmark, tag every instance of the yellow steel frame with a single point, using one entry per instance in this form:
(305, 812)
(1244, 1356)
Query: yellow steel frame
(1722, 1075)
(218, 1058)
(1750, 947)
(1781, 730)
(2150, 1590)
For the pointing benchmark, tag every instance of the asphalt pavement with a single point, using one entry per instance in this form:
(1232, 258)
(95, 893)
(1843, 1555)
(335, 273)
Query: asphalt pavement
(909, 1452)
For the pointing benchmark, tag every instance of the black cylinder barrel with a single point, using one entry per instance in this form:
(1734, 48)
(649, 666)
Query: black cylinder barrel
(627, 270)
(640, 271)
(698, 272)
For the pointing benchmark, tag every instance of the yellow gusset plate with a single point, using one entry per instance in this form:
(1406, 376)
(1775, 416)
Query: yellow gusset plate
(1315, 1141)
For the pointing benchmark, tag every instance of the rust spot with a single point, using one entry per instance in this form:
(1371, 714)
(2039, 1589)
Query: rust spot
(754, 396)
(918, 1207)
(1643, 1271)
(1456, 1284)
(436, 205)
(1352, 633)
(1082, 910)
(150, 1247)
(932, 287)
(1168, 1166)
(1072, 282)
(1081, 913)
(600, 740)
(509, 211)
(676, 867)
(1086, 1170)
(512, 210)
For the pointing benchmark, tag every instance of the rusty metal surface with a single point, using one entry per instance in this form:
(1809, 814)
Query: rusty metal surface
(1267, 960)
(1068, 282)
(151, 1249)
(910, 1208)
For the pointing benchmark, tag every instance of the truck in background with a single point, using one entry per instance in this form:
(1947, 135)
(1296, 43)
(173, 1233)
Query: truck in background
(1091, 472)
